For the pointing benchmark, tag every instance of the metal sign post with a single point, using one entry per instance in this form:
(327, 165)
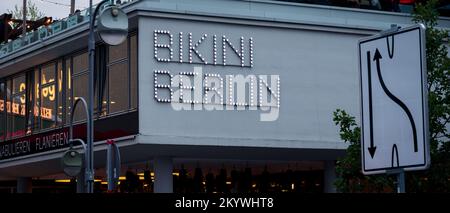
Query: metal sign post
(113, 164)
(400, 176)
(394, 108)
(401, 182)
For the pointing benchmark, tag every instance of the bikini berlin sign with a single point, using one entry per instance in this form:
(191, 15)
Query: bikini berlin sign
(394, 114)
(193, 89)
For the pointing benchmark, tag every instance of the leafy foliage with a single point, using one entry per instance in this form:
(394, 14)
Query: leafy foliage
(348, 168)
(437, 178)
(33, 12)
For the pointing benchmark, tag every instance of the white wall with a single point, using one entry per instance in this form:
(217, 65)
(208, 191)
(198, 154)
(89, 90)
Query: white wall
(318, 72)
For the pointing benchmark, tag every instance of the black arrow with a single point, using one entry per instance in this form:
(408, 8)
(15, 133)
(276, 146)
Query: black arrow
(372, 148)
(377, 58)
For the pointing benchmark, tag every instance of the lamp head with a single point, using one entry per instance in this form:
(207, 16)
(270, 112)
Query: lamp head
(112, 25)
(72, 162)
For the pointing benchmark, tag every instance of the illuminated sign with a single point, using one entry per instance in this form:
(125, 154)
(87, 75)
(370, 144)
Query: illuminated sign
(48, 91)
(19, 109)
(212, 91)
(218, 45)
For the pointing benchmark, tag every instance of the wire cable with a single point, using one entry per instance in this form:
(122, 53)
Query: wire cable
(57, 3)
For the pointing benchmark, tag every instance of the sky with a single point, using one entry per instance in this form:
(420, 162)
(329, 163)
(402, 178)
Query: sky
(57, 9)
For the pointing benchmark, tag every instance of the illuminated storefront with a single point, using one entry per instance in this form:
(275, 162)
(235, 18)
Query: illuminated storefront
(235, 93)
(35, 104)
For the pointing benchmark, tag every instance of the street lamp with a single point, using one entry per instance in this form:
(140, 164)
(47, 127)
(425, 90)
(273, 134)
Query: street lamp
(112, 25)
(113, 30)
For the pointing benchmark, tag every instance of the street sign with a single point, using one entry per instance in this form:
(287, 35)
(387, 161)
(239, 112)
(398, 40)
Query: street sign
(394, 113)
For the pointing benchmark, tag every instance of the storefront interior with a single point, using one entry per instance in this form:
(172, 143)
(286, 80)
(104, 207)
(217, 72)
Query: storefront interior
(198, 176)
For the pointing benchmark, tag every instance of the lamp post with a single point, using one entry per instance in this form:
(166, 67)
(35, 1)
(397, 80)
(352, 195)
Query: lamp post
(113, 30)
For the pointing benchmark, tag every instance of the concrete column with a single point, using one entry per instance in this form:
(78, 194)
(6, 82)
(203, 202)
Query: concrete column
(24, 185)
(329, 176)
(81, 187)
(163, 175)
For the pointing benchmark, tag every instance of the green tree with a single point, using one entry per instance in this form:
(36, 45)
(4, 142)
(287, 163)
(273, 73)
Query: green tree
(437, 178)
(33, 12)
(348, 168)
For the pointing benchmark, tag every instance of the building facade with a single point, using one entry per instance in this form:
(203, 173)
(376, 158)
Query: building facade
(204, 96)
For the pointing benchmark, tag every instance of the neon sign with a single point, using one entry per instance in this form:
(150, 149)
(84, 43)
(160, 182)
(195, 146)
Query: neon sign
(47, 92)
(19, 109)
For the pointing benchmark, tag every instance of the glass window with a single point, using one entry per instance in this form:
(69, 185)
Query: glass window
(42, 98)
(68, 90)
(59, 96)
(133, 71)
(118, 52)
(48, 96)
(80, 89)
(19, 84)
(29, 102)
(80, 83)
(104, 98)
(35, 119)
(2, 111)
(48, 74)
(9, 116)
(101, 83)
(17, 107)
(80, 63)
(118, 89)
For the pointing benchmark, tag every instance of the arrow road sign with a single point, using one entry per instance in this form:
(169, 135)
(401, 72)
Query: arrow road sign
(394, 113)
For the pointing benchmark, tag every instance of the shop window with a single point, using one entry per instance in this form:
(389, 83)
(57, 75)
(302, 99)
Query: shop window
(29, 105)
(80, 82)
(35, 102)
(68, 86)
(59, 96)
(42, 98)
(48, 95)
(2, 111)
(118, 52)
(9, 117)
(104, 98)
(80, 63)
(133, 72)
(118, 89)
(118, 73)
(80, 89)
(101, 82)
(16, 107)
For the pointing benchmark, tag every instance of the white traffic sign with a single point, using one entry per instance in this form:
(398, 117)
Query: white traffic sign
(394, 113)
